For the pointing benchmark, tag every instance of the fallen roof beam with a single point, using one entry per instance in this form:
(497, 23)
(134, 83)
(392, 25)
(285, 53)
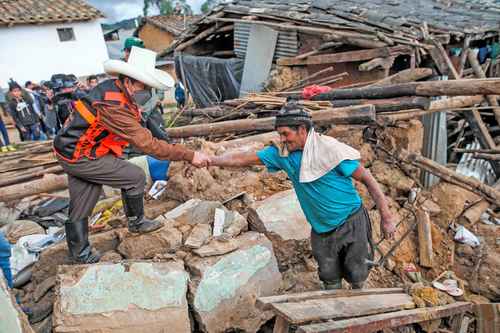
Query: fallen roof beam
(350, 56)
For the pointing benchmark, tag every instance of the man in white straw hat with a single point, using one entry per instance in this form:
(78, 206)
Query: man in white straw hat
(91, 142)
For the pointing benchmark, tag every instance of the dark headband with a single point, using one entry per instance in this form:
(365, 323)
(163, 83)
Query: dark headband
(292, 115)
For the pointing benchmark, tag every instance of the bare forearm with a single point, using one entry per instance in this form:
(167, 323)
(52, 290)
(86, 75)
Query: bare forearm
(235, 159)
(376, 193)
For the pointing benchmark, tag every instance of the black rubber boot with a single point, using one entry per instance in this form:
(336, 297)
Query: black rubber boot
(77, 237)
(133, 205)
(332, 285)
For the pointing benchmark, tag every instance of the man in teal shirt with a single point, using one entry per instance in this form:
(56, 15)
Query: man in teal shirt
(341, 227)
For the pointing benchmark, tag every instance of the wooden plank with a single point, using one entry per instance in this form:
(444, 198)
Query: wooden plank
(281, 325)
(350, 56)
(426, 253)
(488, 317)
(264, 303)
(341, 307)
(387, 320)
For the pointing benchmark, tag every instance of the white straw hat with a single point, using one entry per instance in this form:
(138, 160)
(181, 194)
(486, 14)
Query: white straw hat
(141, 67)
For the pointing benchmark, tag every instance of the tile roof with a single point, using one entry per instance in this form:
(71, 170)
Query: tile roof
(173, 24)
(45, 11)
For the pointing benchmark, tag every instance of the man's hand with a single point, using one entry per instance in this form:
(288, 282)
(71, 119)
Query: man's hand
(24, 130)
(200, 160)
(388, 225)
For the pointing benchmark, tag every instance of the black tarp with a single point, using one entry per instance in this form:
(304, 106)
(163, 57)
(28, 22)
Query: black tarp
(210, 80)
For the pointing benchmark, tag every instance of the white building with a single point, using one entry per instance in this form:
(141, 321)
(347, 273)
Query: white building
(39, 38)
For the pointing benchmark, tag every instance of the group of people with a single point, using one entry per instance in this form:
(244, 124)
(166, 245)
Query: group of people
(40, 110)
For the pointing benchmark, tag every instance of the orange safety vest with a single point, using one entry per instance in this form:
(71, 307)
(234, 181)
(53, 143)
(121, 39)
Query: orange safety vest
(85, 135)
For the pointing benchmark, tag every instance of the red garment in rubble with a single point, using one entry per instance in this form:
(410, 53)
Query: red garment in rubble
(313, 90)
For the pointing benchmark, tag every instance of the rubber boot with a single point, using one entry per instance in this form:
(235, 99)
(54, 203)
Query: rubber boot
(134, 209)
(77, 237)
(332, 285)
(357, 285)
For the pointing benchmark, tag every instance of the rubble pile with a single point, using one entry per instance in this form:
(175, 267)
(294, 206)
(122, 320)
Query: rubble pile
(232, 235)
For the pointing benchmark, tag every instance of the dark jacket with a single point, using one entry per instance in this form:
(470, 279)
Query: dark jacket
(23, 112)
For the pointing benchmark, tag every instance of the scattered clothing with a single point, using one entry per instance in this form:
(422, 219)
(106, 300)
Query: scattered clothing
(180, 96)
(313, 90)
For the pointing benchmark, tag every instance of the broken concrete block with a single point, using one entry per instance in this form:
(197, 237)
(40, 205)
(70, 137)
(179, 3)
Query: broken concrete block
(12, 318)
(234, 224)
(217, 248)
(20, 228)
(281, 219)
(111, 256)
(146, 246)
(192, 212)
(123, 297)
(223, 289)
(199, 236)
(56, 255)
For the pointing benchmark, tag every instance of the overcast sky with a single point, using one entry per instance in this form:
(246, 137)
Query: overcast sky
(117, 10)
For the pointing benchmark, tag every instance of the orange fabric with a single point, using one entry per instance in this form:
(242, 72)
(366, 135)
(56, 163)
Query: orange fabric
(84, 112)
(115, 96)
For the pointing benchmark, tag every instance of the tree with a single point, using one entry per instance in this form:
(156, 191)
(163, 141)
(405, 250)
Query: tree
(208, 5)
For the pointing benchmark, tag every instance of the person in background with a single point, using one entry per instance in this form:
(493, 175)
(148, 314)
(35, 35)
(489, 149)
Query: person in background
(92, 82)
(151, 107)
(5, 253)
(180, 96)
(50, 116)
(5, 145)
(35, 92)
(21, 106)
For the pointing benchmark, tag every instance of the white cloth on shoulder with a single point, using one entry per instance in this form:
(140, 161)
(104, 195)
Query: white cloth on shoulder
(322, 154)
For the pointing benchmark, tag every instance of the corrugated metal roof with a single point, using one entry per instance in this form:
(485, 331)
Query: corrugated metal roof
(286, 46)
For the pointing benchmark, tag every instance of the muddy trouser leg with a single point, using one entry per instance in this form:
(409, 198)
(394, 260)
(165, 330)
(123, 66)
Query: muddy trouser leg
(326, 254)
(356, 252)
(92, 174)
(85, 180)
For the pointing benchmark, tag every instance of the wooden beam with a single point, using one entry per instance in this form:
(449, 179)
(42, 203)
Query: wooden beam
(350, 56)
(427, 88)
(478, 71)
(404, 76)
(48, 183)
(264, 303)
(463, 55)
(361, 114)
(471, 184)
(387, 320)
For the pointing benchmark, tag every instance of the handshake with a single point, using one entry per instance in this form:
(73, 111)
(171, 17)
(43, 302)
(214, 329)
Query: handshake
(201, 160)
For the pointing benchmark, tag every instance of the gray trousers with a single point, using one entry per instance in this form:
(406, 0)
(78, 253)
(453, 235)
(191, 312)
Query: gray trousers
(86, 177)
(341, 253)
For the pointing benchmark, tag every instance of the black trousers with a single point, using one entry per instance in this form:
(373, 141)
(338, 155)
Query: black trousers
(342, 252)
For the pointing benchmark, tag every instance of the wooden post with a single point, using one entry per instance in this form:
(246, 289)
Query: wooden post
(463, 55)
(478, 71)
(49, 183)
(425, 239)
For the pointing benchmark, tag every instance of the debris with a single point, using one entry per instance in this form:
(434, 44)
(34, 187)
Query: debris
(224, 288)
(13, 318)
(132, 299)
(199, 236)
(463, 235)
(20, 228)
(146, 246)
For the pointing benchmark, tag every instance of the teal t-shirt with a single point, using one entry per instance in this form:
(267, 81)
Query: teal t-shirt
(328, 201)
